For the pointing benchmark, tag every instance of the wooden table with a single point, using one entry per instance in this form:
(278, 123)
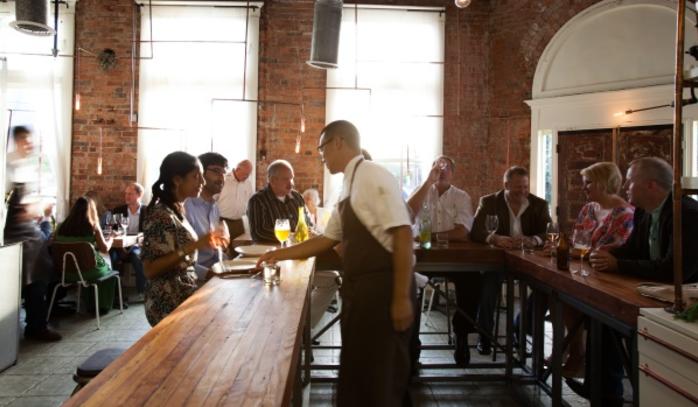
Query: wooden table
(234, 342)
(460, 257)
(124, 241)
(608, 299)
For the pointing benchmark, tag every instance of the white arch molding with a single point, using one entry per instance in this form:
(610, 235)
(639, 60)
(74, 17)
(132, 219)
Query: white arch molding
(613, 56)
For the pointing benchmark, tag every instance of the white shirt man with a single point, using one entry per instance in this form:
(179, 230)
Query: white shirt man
(232, 201)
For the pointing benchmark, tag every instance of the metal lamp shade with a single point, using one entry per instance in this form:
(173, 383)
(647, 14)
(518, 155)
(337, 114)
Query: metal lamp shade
(325, 44)
(31, 16)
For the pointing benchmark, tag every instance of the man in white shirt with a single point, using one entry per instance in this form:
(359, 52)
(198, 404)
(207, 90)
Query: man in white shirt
(232, 201)
(373, 224)
(451, 213)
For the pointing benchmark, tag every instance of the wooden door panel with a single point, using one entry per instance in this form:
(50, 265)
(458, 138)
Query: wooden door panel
(578, 150)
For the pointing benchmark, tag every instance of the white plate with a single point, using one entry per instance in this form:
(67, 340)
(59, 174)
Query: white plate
(254, 250)
(238, 265)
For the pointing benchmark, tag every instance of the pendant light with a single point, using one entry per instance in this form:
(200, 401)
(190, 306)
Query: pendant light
(32, 17)
(325, 41)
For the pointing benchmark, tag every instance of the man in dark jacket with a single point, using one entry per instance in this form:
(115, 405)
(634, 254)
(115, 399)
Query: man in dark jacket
(648, 252)
(522, 219)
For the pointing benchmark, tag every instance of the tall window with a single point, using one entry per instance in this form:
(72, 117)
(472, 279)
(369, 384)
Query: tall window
(544, 170)
(195, 71)
(390, 85)
(36, 91)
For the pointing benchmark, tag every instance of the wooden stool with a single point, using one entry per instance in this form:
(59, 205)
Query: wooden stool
(93, 365)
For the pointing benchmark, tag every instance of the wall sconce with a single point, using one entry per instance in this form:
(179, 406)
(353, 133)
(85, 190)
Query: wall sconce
(462, 3)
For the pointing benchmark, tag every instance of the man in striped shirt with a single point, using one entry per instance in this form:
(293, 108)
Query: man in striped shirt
(278, 200)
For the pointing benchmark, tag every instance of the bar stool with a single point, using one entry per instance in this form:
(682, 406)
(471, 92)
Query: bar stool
(94, 365)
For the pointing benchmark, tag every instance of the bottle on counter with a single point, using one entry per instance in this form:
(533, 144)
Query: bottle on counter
(301, 227)
(563, 253)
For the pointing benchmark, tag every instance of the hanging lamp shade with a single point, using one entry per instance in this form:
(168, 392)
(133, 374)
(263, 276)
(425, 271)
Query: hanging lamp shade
(31, 17)
(325, 43)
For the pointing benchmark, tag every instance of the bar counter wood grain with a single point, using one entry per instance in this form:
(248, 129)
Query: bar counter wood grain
(234, 342)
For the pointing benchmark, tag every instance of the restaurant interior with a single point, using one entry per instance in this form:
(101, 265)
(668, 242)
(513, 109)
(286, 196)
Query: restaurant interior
(351, 203)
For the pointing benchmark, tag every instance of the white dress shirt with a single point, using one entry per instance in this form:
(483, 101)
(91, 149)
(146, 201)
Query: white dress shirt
(376, 200)
(452, 208)
(134, 220)
(232, 201)
(515, 221)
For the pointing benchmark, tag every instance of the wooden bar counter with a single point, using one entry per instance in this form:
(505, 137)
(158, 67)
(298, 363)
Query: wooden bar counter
(234, 342)
(614, 295)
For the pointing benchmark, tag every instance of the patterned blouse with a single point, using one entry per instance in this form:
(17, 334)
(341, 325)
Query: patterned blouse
(163, 234)
(612, 231)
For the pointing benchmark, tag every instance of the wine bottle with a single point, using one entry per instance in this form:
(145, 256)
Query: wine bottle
(563, 253)
(301, 227)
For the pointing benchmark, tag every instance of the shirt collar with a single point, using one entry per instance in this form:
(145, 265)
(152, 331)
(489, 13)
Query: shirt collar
(658, 210)
(523, 208)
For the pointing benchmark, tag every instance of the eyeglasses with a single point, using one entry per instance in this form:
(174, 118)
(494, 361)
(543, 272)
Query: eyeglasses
(321, 147)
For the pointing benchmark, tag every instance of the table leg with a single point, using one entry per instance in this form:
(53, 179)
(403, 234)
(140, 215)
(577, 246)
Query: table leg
(538, 333)
(596, 343)
(558, 338)
(523, 321)
(510, 327)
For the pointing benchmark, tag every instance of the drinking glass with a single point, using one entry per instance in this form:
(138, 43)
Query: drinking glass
(552, 231)
(124, 224)
(491, 224)
(581, 240)
(116, 221)
(272, 274)
(282, 229)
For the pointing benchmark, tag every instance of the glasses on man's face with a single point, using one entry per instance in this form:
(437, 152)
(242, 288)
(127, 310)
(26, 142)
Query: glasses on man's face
(321, 147)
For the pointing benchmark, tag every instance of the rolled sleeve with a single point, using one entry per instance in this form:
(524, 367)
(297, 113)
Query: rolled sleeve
(333, 230)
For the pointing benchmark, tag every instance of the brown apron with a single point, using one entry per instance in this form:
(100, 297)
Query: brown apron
(374, 362)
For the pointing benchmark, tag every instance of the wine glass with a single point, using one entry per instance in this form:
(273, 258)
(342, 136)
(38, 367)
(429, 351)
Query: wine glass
(116, 221)
(552, 231)
(491, 224)
(282, 229)
(581, 240)
(124, 224)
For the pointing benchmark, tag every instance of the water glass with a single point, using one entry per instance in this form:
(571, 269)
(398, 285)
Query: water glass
(442, 240)
(272, 274)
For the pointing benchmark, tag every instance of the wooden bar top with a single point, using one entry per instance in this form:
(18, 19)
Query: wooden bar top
(614, 294)
(464, 253)
(234, 342)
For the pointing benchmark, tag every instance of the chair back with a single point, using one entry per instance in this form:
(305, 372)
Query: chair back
(73, 258)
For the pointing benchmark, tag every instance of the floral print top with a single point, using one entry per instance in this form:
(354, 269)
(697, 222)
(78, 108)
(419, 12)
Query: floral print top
(164, 233)
(612, 231)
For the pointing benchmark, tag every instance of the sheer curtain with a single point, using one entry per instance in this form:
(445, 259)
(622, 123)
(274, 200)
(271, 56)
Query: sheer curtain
(390, 85)
(188, 74)
(36, 91)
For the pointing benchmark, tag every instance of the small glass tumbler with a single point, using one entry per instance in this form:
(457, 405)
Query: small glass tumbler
(272, 274)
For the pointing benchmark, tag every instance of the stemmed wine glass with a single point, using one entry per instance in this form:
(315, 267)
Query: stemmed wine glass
(491, 224)
(116, 219)
(282, 230)
(552, 231)
(581, 240)
(124, 224)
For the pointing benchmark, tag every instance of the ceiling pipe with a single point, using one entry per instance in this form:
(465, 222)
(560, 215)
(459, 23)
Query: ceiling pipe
(325, 42)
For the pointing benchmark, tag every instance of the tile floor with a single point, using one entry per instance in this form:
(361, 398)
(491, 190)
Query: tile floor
(43, 373)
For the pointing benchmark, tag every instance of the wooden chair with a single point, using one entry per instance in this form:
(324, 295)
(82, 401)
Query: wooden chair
(73, 258)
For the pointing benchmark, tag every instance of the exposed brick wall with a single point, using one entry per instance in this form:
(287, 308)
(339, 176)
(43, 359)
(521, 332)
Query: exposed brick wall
(519, 32)
(285, 36)
(492, 49)
(105, 100)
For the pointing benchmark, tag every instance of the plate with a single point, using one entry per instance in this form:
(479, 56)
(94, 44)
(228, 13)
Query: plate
(254, 250)
(238, 265)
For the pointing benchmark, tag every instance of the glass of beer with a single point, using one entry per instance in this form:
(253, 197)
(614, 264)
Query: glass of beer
(552, 231)
(581, 240)
(282, 229)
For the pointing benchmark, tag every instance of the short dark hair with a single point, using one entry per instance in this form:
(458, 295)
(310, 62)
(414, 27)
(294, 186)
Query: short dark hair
(211, 158)
(344, 129)
(515, 170)
(18, 131)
